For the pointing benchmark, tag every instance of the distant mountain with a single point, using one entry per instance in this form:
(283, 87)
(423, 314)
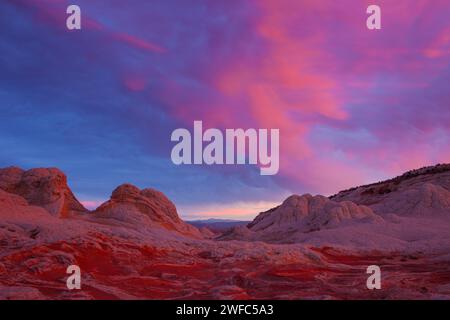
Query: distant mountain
(218, 225)
(214, 220)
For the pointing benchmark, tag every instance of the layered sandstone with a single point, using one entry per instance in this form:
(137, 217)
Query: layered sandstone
(43, 187)
(146, 208)
(423, 192)
(302, 215)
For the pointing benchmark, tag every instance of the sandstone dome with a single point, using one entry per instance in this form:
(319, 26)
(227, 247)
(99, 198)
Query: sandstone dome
(311, 213)
(144, 208)
(43, 187)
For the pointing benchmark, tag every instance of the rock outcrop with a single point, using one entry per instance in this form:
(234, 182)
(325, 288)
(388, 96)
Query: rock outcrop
(303, 214)
(25, 191)
(311, 213)
(309, 247)
(423, 192)
(147, 208)
(43, 187)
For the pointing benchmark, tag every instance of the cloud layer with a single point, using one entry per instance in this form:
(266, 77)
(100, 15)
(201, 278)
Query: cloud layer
(352, 105)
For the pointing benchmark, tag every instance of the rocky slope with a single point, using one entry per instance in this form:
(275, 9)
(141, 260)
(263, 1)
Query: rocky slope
(419, 193)
(307, 213)
(146, 208)
(46, 188)
(135, 246)
(410, 211)
(217, 226)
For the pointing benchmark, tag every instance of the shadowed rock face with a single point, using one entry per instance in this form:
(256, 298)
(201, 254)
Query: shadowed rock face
(146, 208)
(41, 187)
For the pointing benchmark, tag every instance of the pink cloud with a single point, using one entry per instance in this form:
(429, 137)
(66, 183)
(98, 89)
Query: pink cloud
(352, 105)
(312, 62)
(53, 13)
(137, 42)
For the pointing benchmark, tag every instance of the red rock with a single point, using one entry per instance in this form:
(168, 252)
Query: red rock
(423, 192)
(131, 248)
(312, 212)
(147, 207)
(46, 188)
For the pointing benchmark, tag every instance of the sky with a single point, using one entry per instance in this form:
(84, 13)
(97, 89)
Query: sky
(353, 105)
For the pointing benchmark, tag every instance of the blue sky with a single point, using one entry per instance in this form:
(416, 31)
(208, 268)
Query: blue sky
(100, 104)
